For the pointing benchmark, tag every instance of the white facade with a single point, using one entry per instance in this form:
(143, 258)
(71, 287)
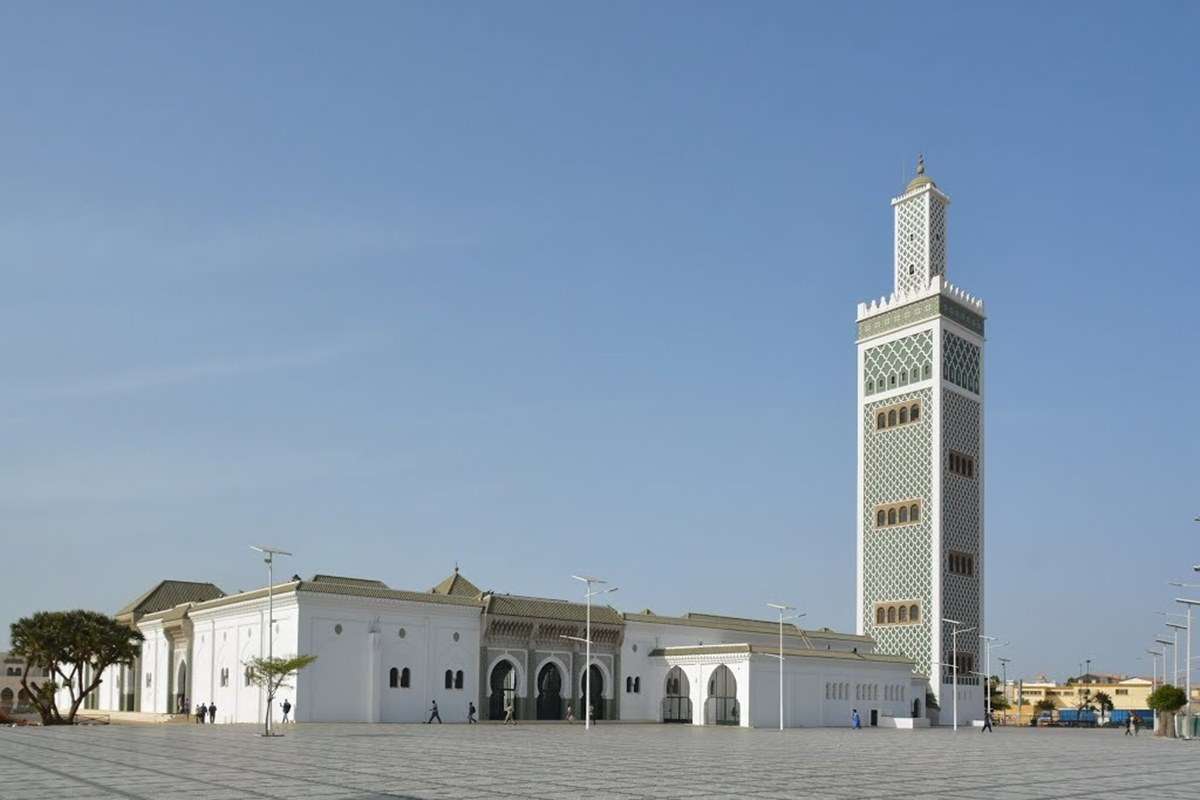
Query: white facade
(826, 674)
(357, 640)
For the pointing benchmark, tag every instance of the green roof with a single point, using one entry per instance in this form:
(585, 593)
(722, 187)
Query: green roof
(168, 594)
(741, 625)
(795, 652)
(348, 587)
(456, 584)
(512, 605)
(366, 582)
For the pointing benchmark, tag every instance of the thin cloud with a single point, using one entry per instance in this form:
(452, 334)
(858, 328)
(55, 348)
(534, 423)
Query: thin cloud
(140, 380)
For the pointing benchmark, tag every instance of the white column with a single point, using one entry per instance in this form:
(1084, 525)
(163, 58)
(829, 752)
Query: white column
(374, 654)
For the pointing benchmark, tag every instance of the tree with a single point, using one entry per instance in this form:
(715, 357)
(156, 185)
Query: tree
(996, 689)
(1045, 704)
(1166, 700)
(269, 675)
(67, 643)
(1083, 704)
(1104, 703)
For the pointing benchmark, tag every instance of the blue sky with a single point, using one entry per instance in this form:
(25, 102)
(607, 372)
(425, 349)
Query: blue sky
(542, 288)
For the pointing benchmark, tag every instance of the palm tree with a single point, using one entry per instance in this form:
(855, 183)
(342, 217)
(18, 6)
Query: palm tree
(1105, 703)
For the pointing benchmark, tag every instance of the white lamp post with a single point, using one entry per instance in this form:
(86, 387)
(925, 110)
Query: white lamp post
(1154, 681)
(1176, 628)
(1004, 680)
(587, 670)
(1167, 643)
(782, 609)
(987, 649)
(954, 658)
(1187, 690)
(269, 554)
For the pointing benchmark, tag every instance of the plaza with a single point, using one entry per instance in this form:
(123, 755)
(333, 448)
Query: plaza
(554, 760)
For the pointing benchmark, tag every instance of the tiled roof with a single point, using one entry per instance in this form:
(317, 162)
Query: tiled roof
(168, 594)
(349, 581)
(513, 605)
(794, 652)
(456, 584)
(739, 624)
(353, 588)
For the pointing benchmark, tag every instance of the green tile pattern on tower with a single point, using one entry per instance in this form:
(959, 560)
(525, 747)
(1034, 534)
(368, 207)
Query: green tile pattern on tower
(897, 560)
(960, 362)
(905, 360)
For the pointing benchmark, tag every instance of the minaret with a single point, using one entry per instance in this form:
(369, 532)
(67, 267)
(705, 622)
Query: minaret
(919, 514)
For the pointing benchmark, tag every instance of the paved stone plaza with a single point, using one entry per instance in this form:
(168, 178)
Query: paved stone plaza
(613, 761)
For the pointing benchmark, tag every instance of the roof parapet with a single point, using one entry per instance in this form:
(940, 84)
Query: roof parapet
(937, 285)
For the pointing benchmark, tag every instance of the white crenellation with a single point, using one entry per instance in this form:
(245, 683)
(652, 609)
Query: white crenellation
(937, 285)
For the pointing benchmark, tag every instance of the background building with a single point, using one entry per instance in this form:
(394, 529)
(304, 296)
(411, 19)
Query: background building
(920, 457)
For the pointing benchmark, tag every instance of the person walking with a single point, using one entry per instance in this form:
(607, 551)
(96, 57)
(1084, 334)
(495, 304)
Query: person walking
(570, 713)
(508, 712)
(855, 720)
(212, 712)
(987, 722)
(1137, 722)
(201, 712)
(287, 708)
(433, 714)
(471, 714)
(1129, 724)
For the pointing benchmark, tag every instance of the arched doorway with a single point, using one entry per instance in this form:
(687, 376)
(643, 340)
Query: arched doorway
(6, 699)
(721, 707)
(677, 700)
(916, 711)
(549, 701)
(181, 691)
(503, 683)
(594, 687)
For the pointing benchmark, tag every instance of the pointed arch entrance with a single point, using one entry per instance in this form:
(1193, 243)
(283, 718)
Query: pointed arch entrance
(503, 685)
(593, 686)
(677, 699)
(721, 707)
(549, 686)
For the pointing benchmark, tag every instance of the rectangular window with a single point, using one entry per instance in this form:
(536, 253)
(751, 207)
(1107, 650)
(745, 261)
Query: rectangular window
(903, 513)
(898, 414)
(960, 464)
(959, 563)
(1122, 691)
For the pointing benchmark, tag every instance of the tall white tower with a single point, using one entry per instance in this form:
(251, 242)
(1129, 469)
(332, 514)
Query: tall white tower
(920, 458)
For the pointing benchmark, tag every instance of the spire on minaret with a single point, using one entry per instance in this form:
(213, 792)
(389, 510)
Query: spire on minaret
(921, 179)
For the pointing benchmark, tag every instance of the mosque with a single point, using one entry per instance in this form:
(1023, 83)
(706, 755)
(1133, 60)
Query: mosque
(386, 654)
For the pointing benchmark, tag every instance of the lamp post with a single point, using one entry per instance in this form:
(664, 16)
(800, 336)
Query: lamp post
(1187, 690)
(954, 657)
(1166, 643)
(782, 609)
(1004, 680)
(587, 669)
(1175, 629)
(1154, 681)
(269, 554)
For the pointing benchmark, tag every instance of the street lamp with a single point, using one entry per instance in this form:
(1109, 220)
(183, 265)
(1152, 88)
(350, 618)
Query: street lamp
(1154, 680)
(1187, 691)
(782, 609)
(587, 670)
(954, 635)
(269, 554)
(1175, 629)
(987, 649)
(1167, 643)
(1004, 682)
